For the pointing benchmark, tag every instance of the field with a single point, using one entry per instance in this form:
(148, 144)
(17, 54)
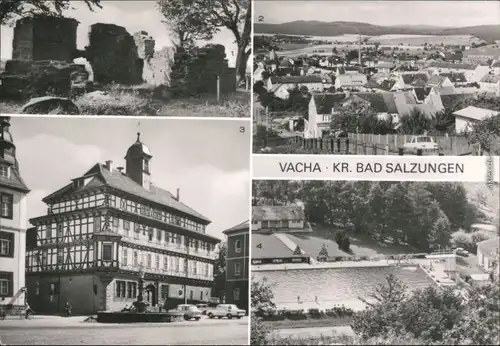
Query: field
(417, 40)
(119, 102)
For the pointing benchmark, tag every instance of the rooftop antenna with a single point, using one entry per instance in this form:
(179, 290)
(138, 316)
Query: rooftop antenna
(138, 131)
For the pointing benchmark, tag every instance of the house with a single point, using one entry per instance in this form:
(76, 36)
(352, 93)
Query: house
(439, 67)
(407, 81)
(487, 254)
(456, 78)
(13, 222)
(280, 85)
(496, 66)
(384, 66)
(479, 72)
(258, 72)
(350, 81)
(237, 265)
(439, 81)
(466, 116)
(109, 227)
(481, 55)
(320, 113)
(288, 218)
(490, 83)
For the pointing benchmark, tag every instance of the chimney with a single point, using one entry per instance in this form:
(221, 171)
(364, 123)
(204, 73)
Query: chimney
(109, 165)
(119, 169)
(178, 195)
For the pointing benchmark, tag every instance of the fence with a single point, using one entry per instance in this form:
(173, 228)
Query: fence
(448, 145)
(338, 146)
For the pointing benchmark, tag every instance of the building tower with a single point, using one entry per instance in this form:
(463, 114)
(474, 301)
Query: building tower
(137, 163)
(13, 221)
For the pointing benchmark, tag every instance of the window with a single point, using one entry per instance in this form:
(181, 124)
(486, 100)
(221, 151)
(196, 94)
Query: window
(157, 260)
(53, 289)
(237, 246)
(137, 230)
(164, 291)
(4, 171)
(206, 269)
(165, 262)
(146, 165)
(148, 263)
(265, 224)
(6, 244)
(131, 289)
(201, 295)
(191, 294)
(97, 224)
(126, 225)
(107, 252)
(236, 294)
(116, 222)
(6, 281)
(177, 264)
(48, 232)
(125, 257)
(60, 256)
(195, 265)
(237, 269)
(136, 259)
(158, 235)
(120, 289)
(6, 206)
(60, 230)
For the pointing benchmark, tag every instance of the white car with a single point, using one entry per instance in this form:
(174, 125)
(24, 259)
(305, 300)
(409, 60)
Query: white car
(226, 310)
(421, 142)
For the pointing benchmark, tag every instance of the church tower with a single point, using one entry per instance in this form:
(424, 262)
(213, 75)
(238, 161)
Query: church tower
(138, 161)
(13, 221)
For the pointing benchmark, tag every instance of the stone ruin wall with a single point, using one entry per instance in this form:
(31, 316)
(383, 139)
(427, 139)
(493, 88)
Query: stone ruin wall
(45, 38)
(156, 66)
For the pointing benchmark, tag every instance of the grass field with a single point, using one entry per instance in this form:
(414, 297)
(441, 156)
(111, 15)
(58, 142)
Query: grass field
(119, 102)
(309, 323)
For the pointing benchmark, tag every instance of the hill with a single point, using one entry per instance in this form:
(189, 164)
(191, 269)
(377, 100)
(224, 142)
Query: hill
(488, 33)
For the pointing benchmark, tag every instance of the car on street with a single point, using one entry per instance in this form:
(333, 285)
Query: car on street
(226, 310)
(461, 252)
(203, 308)
(421, 142)
(190, 311)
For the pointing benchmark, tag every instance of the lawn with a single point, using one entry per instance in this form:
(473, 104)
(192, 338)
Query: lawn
(130, 102)
(309, 323)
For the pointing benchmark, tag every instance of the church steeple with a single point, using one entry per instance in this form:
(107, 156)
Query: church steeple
(138, 163)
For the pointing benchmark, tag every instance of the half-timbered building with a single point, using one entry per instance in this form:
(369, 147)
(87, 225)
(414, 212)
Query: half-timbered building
(13, 221)
(103, 228)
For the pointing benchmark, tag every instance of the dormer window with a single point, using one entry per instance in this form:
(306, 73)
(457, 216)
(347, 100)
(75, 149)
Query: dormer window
(78, 183)
(4, 171)
(146, 166)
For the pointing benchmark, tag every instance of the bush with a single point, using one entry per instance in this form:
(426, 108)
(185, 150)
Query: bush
(258, 331)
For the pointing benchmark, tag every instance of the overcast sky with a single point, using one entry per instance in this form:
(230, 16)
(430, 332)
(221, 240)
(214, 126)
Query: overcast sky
(208, 160)
(133, 15)
(436, 13)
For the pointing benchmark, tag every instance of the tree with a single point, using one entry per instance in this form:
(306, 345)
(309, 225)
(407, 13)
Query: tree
(10, 10)
(487, 134)
(415, 123)
(262, 296)
(185, 18)
(220, 270)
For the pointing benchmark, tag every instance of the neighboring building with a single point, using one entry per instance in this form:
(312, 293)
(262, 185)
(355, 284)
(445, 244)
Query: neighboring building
(490, 84)
(107, 226)
(237, 265)
(438, 67)
(407, 81)
(438, 81)
(320, 114)
(13, 221)
(487, 254)
(384, 66)
(466, 116)
(350, 81)
(278, 218)
(457, 78)
(481, 55)
(496, 67)
(280, 85)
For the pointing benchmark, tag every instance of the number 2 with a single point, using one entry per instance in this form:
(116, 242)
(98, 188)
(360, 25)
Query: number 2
(261, 18)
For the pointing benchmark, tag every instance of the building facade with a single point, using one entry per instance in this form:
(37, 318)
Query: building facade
(237, 265)
(105, 227)
(13, 221)
(278, 218)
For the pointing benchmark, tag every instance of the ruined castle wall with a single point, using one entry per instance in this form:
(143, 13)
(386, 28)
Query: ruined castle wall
(113, 54)
(45, 38)
(156, 70)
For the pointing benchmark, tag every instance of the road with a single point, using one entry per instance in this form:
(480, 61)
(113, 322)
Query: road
(73, 331)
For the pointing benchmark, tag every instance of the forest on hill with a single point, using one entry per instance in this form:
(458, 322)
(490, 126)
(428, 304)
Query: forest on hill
(423, 215)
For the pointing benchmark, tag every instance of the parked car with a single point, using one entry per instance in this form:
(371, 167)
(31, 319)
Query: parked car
(203, 308)
(226, 310)
(461, 252)
(190, 311)
(421, 142)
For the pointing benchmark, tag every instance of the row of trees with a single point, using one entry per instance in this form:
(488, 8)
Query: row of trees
(421, 215)
(430, 316)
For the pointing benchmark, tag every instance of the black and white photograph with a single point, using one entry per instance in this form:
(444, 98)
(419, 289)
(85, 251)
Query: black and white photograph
(156, 57)
(374, 263)
(125, 232)
(376, 77)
